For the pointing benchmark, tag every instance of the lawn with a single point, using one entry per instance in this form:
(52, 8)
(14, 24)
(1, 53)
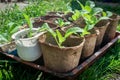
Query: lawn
(103, 69)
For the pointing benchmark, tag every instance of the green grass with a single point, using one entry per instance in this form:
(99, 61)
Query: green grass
(102, 69)
(108, 64)
(34, 9)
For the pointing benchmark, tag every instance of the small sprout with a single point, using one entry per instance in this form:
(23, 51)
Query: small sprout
(89, 12)
(57, 35)
(30, 25)
(61, 22)
(76, 15)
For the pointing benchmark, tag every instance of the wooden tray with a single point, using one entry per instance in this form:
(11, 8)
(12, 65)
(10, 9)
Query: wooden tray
(39, 65)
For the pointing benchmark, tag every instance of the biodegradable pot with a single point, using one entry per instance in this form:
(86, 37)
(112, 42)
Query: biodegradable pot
(61, 59)
(28, 48)
(39, 23)
(80, 22)
(111, 29)
(50, 17)
(89, 45)
(62, 15)
(101, 26)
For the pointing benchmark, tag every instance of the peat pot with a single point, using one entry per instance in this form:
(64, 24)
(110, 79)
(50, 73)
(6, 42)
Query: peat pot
(111, 29)
(101, 26)
(50, 17)
(79, 22)
(89, 45)
(28, 49)
(61, 59)
(38, 23)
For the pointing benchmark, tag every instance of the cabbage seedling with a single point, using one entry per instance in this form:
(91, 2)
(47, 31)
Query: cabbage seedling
(61, 22)
(57, 35)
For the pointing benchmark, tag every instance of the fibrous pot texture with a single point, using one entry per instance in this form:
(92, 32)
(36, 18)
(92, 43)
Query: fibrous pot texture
(89, 45)
(101, 26)
(61, 59)
(111, 29)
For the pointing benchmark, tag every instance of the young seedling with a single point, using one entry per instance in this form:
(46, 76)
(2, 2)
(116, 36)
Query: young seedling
(58, 36)
(89, 12)
(76, 15)
(89, 8)
(30, 25)
(61, 22)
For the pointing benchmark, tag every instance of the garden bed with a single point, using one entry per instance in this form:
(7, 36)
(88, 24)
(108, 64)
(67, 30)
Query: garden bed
(39, 65)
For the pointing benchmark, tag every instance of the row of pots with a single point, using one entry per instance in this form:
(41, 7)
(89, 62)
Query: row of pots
(67, 58)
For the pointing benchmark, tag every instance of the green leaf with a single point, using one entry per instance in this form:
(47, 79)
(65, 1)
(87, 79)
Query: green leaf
(87, 17)
(11, 23)
(95, 11)
(76, 15)
(67, 23)
(90, 26)
(73, 30)
(10, 26)
(103, 18)
(46, 27)
(3, 38)
(88, 9)
(84, 12)
(109, 14)
(85, 31)
(27, 18)
(94, 20)
(60, 38)
(104, 14)
(81, 5)
(90, 3)
(15, 29)
(60, 22)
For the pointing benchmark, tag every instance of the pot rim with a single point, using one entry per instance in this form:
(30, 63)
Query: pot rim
(64, 48)
(106, 24)
(116, 18)
(25, 39)
(96, 32)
